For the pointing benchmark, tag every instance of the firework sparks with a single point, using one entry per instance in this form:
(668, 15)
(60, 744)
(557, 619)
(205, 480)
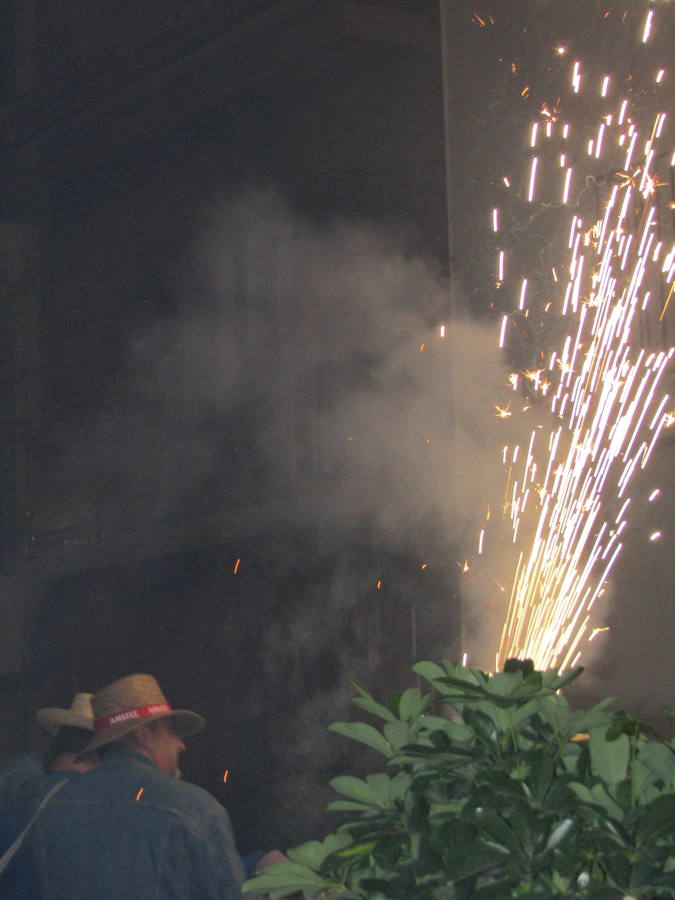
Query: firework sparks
(603, 387)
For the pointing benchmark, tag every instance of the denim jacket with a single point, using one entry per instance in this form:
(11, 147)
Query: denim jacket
(24, 773)
(126, 831)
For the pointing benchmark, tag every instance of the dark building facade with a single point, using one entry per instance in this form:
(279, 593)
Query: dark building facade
(167, 173)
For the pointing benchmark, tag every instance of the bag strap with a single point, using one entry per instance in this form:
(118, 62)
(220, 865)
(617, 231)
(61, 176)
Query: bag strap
(9, 853)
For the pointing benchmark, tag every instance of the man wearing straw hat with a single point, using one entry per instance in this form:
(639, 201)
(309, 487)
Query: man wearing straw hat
(130, 828)
(71, 731)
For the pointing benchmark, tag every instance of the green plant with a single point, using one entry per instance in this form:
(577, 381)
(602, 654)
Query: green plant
(494, 788)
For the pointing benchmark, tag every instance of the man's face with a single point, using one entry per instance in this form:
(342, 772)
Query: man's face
(165, 746)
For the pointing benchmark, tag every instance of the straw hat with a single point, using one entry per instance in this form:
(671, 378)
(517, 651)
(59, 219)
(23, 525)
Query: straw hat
(80, 715)
(132, 701)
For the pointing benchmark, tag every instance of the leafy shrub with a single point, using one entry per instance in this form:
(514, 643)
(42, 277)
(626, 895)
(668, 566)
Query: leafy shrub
(494, 788)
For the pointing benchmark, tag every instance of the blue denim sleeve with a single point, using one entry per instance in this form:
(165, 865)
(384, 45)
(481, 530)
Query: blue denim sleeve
(250, 861)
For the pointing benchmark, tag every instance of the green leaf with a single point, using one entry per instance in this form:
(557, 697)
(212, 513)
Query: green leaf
(609, 759)
(655, 765)
(356, 850)
(348, 806)
(503, 684)
(468, 859)
(285, 878)
(378, 790)
(522, 713)
(411, 703)
(496, 828)
(313, 853)
(603, 798)
(398, 733)
(483, 726)
(428, 670)
(582, 792)
(541, 772)
(374, 708)
(580, 721)
(365, 734)
(367, 702)
(657, 820)
(355, 789)
(466, 688)
(454, 727)
(558, 680)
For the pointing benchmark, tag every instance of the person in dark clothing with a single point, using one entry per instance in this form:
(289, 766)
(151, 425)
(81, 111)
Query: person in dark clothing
(71, 730)
(130, 827)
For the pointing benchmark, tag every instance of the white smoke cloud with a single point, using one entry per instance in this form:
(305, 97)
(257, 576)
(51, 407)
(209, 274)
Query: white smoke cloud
(333, 331)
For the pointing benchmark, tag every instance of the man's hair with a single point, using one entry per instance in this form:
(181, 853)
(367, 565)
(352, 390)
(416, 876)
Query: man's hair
(68, 739)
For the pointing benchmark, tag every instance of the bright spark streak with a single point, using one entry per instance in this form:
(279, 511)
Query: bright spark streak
(598, 631)
(533, 176)
(576, 77)
(598, 143)
(523, 291)
(502, 332)
(648, 26)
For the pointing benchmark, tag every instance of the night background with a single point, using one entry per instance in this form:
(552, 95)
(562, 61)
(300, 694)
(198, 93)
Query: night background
(233, 452)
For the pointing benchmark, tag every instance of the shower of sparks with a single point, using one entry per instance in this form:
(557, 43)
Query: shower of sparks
(601, 390)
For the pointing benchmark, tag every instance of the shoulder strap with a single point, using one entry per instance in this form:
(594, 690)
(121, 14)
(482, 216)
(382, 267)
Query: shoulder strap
(9, 853)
